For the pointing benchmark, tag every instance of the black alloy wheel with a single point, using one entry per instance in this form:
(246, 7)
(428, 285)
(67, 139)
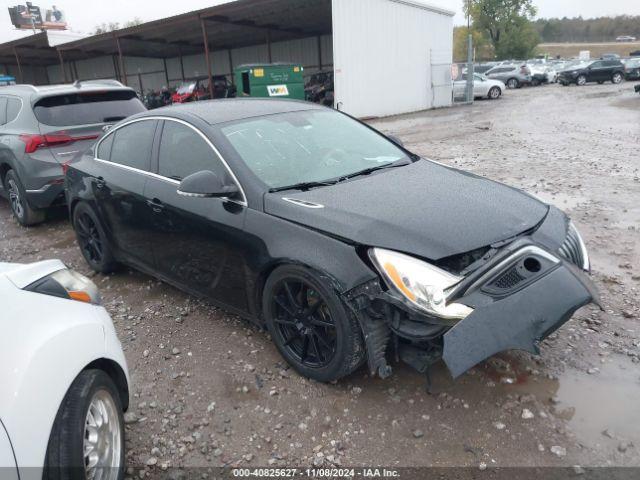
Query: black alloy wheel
(313, 328)
(92, 240)
(304, 321)
(89, 239)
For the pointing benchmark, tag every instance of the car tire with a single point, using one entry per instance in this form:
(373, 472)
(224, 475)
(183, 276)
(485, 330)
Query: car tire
(581, 81)
(90, 416)
(495, 93)
(313, 329)
(513, 83)
(617, 78)
(24, 213)
(92, 240)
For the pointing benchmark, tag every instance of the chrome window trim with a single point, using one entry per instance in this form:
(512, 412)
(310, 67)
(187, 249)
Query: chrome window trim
(112, 131)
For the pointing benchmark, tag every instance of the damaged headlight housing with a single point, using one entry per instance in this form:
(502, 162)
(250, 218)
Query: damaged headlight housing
(422, 284)
(67, 284)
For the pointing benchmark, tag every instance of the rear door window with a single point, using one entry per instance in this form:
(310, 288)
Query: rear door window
(132, 145)
(87, 108)
(3, 110)
(104, 150)
(178, 139)
(13, 108)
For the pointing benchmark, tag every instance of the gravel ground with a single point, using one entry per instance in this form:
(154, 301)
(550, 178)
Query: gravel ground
(210, 390)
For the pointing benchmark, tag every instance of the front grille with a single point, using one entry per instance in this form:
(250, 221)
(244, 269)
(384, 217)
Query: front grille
(570, 249)
(508, 280)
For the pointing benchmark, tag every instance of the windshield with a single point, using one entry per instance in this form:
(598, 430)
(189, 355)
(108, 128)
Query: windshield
(186, 88)
(310, 146)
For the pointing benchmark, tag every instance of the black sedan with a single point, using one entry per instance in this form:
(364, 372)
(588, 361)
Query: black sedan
(348, 247)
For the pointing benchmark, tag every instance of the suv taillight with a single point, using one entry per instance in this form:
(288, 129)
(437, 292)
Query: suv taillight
(34, 142)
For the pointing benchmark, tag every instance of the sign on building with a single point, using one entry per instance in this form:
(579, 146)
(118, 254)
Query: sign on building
(29, 16)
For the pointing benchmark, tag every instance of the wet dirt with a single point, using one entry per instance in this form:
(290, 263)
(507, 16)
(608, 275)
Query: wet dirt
(210, 390)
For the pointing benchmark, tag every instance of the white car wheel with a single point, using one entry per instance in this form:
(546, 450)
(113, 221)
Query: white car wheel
(495, 93)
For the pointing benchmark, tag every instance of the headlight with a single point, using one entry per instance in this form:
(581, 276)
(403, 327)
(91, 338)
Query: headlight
(584, 254)
(420, 283)
(67, 284)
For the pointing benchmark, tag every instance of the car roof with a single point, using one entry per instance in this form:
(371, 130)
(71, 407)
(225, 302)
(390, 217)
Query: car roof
(215, 112)
(49, 90)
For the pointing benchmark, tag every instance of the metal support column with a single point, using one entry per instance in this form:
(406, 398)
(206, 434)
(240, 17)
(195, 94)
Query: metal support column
(166, 71)
(20, 74)
(269, 54)
(63, 70)
(233, 77)
(205, 39)
(123, 70)
(320, 52)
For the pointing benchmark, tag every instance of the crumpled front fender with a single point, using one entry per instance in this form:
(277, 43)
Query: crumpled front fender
(520, 321)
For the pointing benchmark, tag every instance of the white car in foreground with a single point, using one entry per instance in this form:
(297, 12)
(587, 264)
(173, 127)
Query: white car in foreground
(63, 377)
(483, 87)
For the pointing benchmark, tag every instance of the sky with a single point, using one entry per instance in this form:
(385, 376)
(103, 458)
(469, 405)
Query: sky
(84, 15)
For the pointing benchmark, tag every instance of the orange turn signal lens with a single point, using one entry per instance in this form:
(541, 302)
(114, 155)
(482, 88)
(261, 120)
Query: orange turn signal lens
(395, 277)
(80, 296)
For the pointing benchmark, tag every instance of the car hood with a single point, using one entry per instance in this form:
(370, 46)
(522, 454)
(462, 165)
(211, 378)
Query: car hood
(424, 209)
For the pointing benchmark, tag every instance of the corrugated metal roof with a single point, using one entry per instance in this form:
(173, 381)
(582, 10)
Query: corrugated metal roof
(230, 25)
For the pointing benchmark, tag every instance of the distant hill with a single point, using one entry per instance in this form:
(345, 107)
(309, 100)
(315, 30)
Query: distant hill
(604, 29)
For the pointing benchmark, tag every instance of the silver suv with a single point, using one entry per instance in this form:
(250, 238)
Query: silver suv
(42, 128)
(513, 76)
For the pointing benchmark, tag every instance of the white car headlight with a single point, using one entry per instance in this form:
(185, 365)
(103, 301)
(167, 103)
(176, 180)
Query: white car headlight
(420, 283)
(67, 284)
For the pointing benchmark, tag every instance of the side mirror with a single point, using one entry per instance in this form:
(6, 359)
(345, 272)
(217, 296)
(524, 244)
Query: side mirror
(396, 140)
(205, 184)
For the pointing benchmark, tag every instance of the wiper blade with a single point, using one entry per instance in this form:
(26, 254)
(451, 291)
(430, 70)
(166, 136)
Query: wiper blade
(303, 186)
(369, 171)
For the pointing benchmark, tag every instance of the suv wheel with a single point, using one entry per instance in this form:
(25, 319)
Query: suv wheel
(513, 83)
(581, 81)
(617, 78)
(22, 211)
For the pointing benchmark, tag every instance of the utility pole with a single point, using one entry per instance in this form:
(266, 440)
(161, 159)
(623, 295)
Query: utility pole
(470, 77)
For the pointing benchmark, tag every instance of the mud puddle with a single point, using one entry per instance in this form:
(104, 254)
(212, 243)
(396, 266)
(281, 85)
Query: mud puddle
(599, 407)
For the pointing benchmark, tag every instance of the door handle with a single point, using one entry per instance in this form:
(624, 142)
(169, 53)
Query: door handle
(156, 205)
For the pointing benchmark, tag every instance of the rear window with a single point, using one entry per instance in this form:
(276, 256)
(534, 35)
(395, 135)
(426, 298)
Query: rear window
(87, 108)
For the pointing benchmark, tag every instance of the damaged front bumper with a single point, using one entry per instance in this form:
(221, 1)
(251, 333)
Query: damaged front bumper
(520, 299)
(519, 321)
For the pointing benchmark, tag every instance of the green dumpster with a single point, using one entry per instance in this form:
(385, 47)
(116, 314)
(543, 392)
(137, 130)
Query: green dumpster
(277, 80)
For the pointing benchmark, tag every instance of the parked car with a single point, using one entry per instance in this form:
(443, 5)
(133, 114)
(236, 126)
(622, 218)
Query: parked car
(276, 215)
(64, 377)
(41, 128)
(610, 56)
(632, 69)
(637, 88)
(596, 71)
(483, 87)
(198, 90)
(625, 38)
(513, 76)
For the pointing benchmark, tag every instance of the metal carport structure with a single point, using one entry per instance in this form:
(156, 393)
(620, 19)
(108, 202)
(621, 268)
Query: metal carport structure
(391, 56)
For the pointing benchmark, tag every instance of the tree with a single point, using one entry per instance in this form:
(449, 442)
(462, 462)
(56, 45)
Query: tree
(507, 24)
(483, 50)
(112, 26)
